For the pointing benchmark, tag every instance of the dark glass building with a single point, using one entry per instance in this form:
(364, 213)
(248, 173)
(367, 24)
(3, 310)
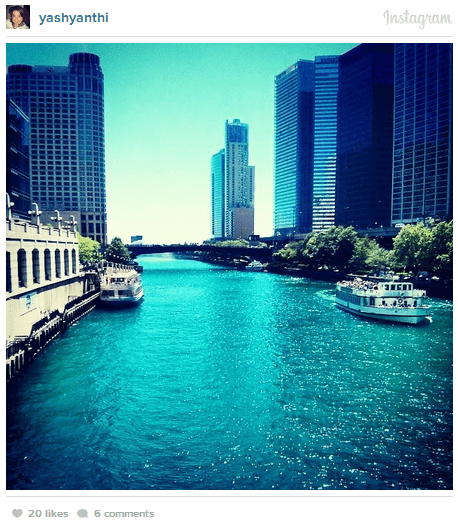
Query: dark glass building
(293, 164)
(67, 138)
(422, 162)
(365, 136)
(17, 159)
(325, 141)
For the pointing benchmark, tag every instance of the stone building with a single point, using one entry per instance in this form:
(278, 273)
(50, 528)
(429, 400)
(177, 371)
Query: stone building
(45, 288)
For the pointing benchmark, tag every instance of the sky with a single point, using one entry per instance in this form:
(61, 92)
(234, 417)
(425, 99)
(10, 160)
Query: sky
(165, 111)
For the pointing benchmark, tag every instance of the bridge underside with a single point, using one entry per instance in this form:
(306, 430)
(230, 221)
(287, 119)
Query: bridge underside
(252, 252)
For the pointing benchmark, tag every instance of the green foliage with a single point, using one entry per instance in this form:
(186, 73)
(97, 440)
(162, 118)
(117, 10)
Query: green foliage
(286, 254)
(292, 252)
(369, 256)
(416, 247)
(238, 243)
(379, 259)
(411, 248)
(332, 248)
(441, 249)
(421, 247)
(117, 252)
(363, 247)
(89, 250)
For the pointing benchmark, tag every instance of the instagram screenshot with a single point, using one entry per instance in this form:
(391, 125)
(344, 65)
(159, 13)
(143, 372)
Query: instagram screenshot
(229, 265)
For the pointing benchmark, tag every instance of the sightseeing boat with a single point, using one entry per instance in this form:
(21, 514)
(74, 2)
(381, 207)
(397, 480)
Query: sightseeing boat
(254, 266)
(120, 287)
(384, 300)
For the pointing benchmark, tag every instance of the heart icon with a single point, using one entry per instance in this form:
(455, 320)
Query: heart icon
(17, 513)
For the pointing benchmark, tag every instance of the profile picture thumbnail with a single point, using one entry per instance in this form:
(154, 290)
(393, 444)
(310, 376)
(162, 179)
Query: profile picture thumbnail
(18, 17)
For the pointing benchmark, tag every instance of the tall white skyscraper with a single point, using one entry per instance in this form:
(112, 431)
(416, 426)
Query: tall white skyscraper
(239, 183)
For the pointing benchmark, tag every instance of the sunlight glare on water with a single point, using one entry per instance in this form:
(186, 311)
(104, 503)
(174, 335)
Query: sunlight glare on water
(222, 379)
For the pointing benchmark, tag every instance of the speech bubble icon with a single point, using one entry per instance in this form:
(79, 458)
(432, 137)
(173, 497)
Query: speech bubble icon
(82, 513)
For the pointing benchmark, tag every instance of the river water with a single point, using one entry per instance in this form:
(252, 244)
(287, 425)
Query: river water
(224, 380)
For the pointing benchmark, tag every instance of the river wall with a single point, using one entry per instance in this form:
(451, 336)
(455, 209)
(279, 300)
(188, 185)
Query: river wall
(22, 349)
(46, 291)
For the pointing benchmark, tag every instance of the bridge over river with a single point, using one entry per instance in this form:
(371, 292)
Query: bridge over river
(253, 252)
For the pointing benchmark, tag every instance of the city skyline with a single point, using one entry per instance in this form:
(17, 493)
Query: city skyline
(159, 144)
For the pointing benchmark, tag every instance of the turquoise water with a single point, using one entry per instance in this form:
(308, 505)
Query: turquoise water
(222, 379)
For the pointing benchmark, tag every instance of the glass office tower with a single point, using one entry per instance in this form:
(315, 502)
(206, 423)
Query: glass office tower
(422, 160)
(293, 165)
(325, 141)
(218, 194)
(67, 143)
(365, 136)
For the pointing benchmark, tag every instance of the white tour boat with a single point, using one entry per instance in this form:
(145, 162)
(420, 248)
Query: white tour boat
(254, 266)
(120, 287)
(384, 300)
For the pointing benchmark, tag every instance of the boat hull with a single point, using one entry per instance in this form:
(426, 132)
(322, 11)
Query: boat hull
(121, 301)
(394, 315)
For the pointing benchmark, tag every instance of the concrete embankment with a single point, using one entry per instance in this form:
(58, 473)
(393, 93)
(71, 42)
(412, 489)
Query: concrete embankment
(23, 349)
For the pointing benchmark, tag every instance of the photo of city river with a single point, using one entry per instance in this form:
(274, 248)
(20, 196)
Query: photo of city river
(231, 380)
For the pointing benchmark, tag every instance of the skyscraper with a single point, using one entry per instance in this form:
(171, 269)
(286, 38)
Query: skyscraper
(365, 136)
(67, 142)
(239, 182)
(325, 141)
(218, 195)
(422, 162)
(293, 165)
(17, 159)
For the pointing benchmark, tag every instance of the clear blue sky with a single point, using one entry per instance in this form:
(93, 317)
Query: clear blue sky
(165, 108)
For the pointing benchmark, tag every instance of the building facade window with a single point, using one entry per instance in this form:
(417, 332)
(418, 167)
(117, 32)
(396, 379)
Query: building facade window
(47, 255)
(22, 268)
(57, 263)
(66, 263)
(9, 285)
(36, 265)
(74, 261)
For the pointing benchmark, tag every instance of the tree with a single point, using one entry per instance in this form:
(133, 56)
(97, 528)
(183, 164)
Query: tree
(379, 258)
(363, 248)
(89, 250)
(411, 247)
(117, 252)
(441, 249)
(236, 243)
(332, 248)
(368, 255)
(292, 252)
